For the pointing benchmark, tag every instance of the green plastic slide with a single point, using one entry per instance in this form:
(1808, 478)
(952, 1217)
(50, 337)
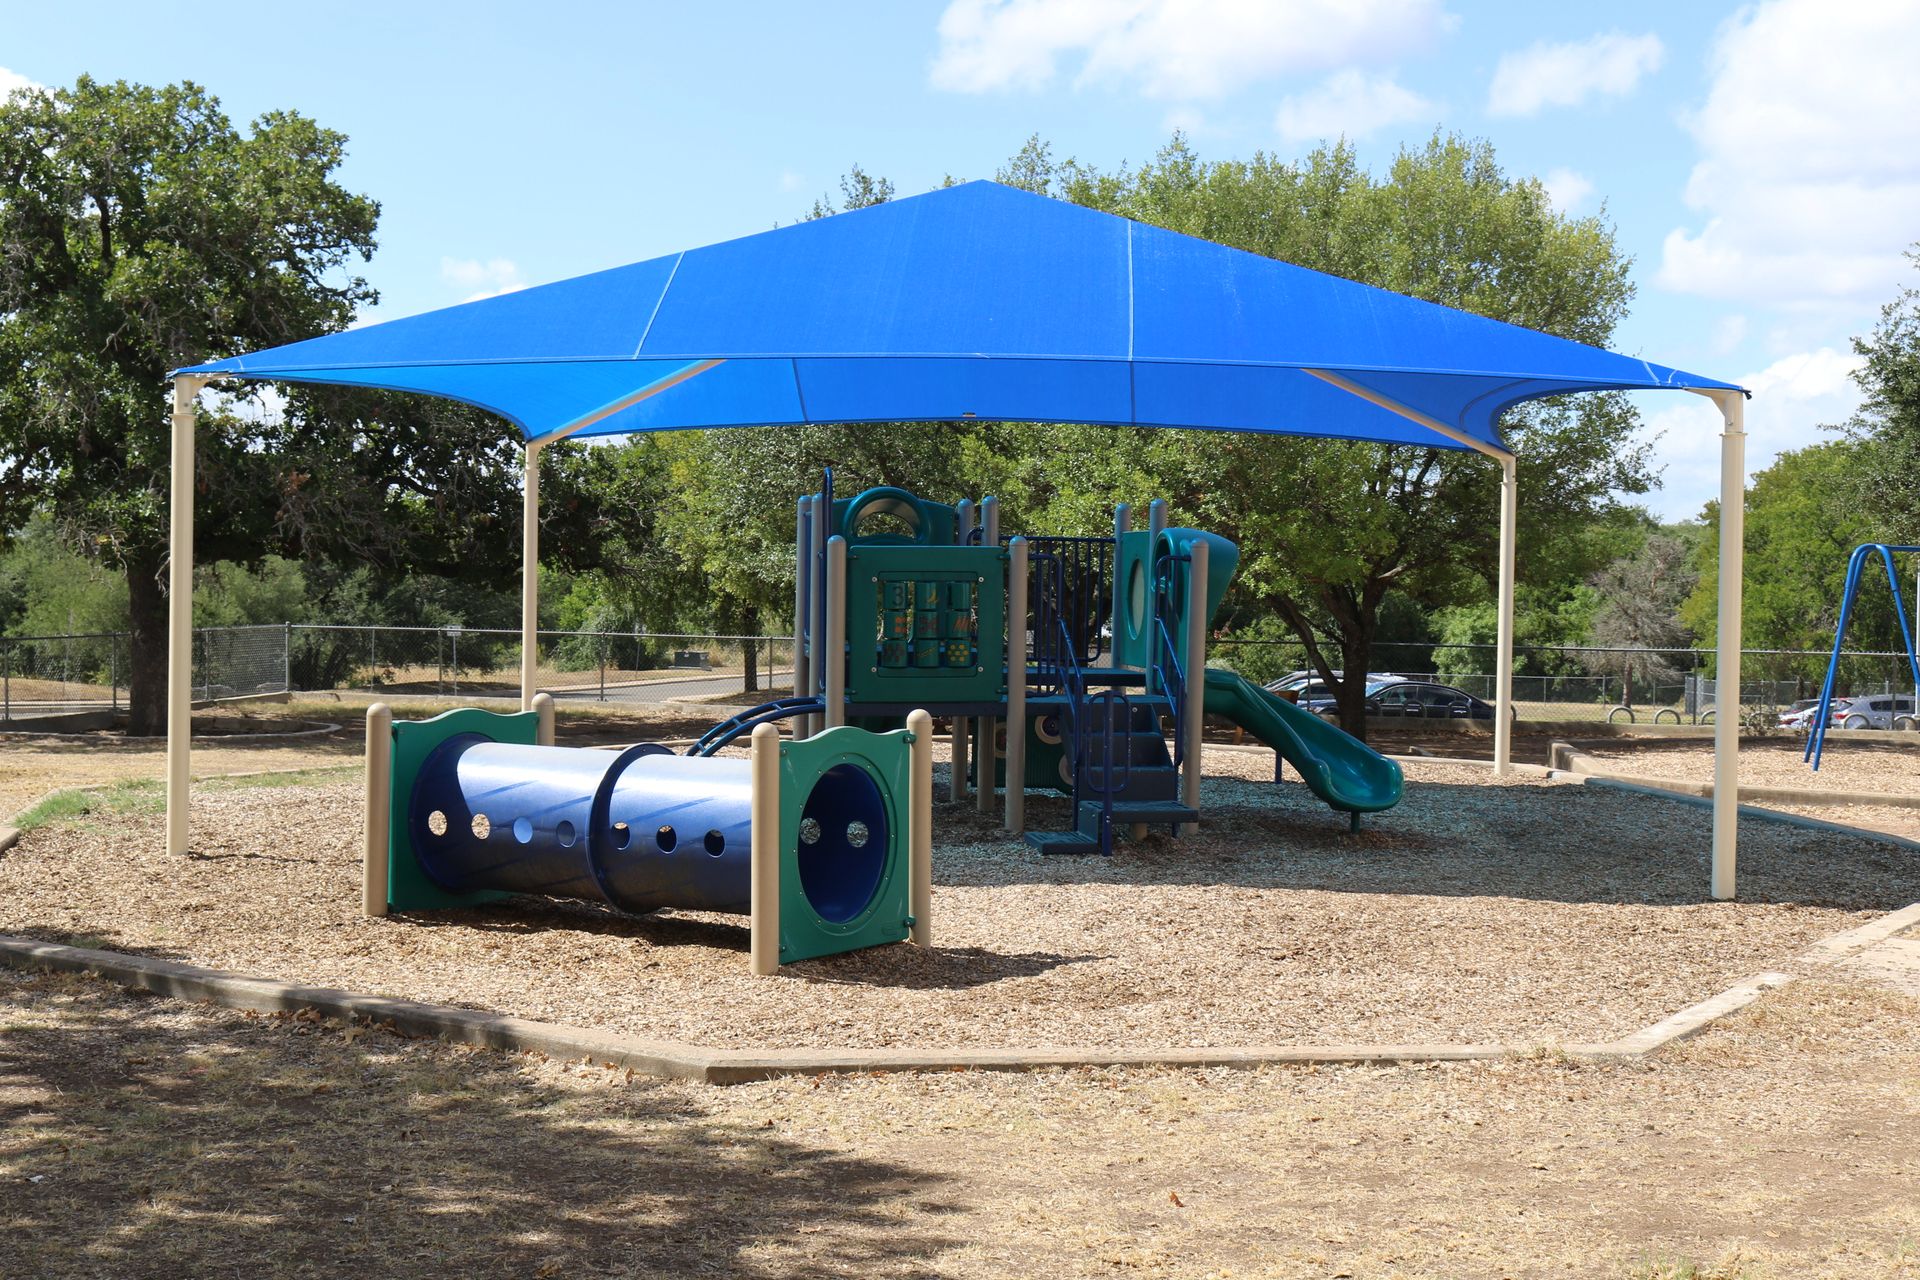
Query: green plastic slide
(1337, 767)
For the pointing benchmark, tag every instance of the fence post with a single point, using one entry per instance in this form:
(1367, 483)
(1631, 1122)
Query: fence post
(7, 676)
(286, 656)
(603, 668)
(113, 672)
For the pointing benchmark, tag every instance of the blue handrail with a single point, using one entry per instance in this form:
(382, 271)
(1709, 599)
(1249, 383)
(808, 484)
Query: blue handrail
(747, 721)
(1856, 565)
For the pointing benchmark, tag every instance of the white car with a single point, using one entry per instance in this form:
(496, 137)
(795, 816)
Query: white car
(1802, 714)
(1881, 711)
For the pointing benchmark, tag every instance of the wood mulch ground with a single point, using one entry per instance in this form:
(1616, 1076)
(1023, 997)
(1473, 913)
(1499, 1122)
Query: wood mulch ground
(1523, 912)
(146, 1139)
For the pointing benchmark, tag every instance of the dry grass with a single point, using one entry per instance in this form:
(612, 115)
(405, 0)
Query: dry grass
(1522, 913)
(144, 1139)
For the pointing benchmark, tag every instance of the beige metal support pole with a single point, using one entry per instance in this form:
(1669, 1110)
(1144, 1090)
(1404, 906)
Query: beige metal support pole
(960, 741)
(373, 876)
(543, 727)
(530, 576)
(763, 883)
(1726, 696)
(920, 831)
(1503, 632)
(1016, 820)
(834, 651)
(1194, 706)
(180, 617)
(802, 562)
(985, 752)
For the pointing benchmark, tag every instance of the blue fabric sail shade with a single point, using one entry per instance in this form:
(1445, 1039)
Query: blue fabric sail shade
(975, 301)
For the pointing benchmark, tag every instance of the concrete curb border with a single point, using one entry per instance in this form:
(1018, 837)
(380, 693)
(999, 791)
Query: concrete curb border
(1569, 759)
(679, 1061)
(1746, 810)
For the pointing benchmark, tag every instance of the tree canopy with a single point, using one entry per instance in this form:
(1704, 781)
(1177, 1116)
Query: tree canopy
(140, 231)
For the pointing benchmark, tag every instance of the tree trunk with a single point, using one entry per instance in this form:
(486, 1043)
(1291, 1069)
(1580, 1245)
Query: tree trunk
(1350, 694)
(147, 658)
(750, 648)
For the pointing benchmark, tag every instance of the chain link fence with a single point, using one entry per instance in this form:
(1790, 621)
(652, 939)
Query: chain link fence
(1600, 685)
(474, 663)
(42, 675)
(47, 675)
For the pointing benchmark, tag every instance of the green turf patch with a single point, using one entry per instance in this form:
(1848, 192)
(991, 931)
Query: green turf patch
(146, 796)
(281, 778)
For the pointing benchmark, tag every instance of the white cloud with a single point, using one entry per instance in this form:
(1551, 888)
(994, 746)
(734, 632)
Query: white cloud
(1348, 104)
(486, 279)
(1567, 189)
(1808, 180)
(1173, 49)
(1793, 398)
(1566, 75)
(12, 80)
(791, 181)
(1728, 333)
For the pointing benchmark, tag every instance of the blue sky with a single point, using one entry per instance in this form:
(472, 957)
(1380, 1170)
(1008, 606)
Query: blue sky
(1761, 162)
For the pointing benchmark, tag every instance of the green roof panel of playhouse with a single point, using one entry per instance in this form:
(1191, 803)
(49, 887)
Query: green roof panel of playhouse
(973, 301)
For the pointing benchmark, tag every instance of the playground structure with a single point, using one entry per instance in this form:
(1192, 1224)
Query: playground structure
(1856, 570)
(1061, 661)
(825, 844)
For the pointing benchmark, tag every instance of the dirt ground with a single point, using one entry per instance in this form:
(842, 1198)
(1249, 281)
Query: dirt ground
(1850, 765)
(144, 1138)
(33, 764)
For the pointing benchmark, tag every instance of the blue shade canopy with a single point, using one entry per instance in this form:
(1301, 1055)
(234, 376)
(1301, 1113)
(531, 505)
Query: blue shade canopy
(974, 301)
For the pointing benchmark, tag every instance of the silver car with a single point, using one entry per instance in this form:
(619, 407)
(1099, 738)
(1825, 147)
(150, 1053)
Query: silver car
(1878, 711)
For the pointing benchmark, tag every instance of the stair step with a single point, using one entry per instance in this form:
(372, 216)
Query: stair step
(1063, 842)
(1145, 812)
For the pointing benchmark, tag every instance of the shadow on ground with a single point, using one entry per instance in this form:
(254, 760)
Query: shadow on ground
(141, 1139)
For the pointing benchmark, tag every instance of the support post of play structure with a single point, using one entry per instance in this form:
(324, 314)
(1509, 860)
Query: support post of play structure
(180, 616)
(1016, 820)
(960, 738)
(983, 736)
(802, 563)
(373, 877)
(834, 649)
(1726, 696)
(920, 830)
(763, 912)
(1503, 631)
(543, 718)
(1193, 701)
(817, 522)
(530, 575)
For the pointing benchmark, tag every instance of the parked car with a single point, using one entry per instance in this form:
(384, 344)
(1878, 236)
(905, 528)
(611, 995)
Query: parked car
(1801, 714)
(1879, 711)
(1401, 697)
(1307, 686)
